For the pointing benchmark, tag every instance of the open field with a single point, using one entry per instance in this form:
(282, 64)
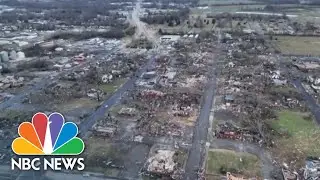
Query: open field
(212, 2)
(221, 9)
(78, 103)
(302, 10)
(298, 136)
(221, 161)
(298, 45)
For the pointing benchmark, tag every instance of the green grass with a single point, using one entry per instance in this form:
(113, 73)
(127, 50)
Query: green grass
(298, 45)
(221, 161)
(299, 136)
(295, 123)
(108, 88)
(77, 103)
(98, 151)
(112, 87)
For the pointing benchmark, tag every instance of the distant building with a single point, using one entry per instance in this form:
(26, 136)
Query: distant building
(104, 131)
(168, 38)
(306, 1)
(4, 56)
(13, 55)
(149, 75)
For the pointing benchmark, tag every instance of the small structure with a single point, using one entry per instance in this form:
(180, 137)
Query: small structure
(149, 75)
(4, 56)
(279, 82)
(127, 111)
(104, 131)
(20, 55)
(169, 38)
(106, 78)
(58, 49)
(229, 98)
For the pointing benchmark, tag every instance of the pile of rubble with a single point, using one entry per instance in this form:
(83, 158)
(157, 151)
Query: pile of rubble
(126, 111)
(95, 94)
(11, 81)
(315, 83)
(156, 126)
(312, 169)
(106, 127)
(231, 177)
(163, 164)
(228, 130)
(5, 56)
(252, 86)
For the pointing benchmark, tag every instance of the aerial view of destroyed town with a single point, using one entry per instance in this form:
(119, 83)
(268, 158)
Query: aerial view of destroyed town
(162, 89)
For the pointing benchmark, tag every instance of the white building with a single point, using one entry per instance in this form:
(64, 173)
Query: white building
(168, 38)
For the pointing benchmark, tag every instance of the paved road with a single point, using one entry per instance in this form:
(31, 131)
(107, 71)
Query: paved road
(89, 122)
(83, 127)
(200, 134)
(314, 107)
(311, 102)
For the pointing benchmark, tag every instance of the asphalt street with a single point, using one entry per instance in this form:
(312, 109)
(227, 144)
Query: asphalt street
(86, 125)
(200, 134)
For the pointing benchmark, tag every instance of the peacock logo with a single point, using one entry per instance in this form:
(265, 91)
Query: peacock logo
(48, 136)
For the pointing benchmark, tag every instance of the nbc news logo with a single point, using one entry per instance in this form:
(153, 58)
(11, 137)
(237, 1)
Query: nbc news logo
(48, 136)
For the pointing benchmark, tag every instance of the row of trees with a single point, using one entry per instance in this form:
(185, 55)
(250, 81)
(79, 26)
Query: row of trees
(76, 12)
(98, 5)
(171, 18)
(113, 33)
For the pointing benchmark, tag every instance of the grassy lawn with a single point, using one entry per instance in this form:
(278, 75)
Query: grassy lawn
(98, 152)
(78, 103)
(298, 45)
(299, 137)
(221, 161)
(111, 87)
